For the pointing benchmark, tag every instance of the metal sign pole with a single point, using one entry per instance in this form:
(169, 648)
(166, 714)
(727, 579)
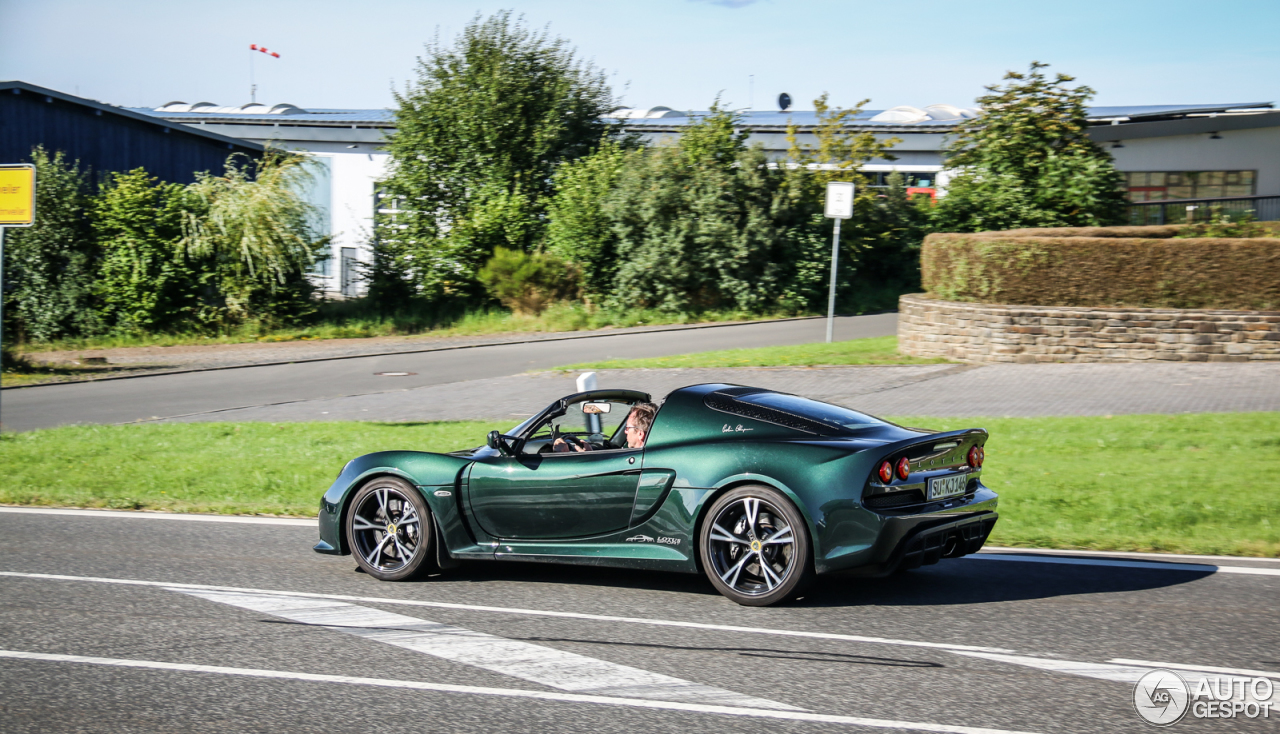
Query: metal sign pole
(839, 206)
(831, 299)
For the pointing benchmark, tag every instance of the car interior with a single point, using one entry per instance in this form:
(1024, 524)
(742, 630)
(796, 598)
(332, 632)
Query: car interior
(597, 423)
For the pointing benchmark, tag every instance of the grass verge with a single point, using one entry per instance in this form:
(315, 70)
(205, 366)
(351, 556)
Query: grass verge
(1192, 483)
(1188, 483)
(875, 350)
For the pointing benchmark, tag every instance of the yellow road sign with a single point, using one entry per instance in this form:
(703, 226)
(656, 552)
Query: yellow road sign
(17, 195)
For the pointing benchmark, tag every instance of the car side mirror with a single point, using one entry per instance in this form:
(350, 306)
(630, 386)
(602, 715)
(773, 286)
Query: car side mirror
(497, 443)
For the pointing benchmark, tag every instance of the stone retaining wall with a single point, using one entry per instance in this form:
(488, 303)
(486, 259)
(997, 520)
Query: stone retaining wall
(977, 332)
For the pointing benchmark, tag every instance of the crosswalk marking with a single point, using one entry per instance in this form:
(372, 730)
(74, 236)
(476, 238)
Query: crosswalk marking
(547, 666)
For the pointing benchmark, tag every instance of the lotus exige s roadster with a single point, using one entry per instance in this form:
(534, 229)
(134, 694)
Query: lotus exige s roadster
(759, 490)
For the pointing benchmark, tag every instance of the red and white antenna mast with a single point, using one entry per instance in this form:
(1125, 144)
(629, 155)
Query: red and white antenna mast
(253, 88)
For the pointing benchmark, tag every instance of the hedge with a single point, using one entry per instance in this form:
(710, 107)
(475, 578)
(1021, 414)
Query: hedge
(1142, 267)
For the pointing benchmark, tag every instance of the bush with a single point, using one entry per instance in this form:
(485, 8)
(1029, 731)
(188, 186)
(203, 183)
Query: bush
(50, 268)
(1103, 267)
(527, 283)
(146, 281)
(256, 237)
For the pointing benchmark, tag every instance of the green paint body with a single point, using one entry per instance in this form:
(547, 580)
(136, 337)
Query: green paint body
(642, 508)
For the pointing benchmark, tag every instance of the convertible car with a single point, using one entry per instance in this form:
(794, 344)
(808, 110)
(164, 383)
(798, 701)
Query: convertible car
(759, 490)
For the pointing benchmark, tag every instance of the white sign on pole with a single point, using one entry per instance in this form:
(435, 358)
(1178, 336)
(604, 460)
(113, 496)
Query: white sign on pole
(839, 206)
(839, 200)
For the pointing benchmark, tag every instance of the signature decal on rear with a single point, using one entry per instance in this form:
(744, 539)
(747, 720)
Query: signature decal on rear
(735, 429)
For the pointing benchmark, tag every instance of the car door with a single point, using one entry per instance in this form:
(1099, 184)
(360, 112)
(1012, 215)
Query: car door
(554, 496)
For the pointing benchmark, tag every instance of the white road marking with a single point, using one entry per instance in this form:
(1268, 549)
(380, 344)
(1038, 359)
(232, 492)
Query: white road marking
(132, 515)
(535, 663)
(1105, 671)
(1194, 567)
(510, 693)
(526, 612)
(1121, 554)
(1205, 668)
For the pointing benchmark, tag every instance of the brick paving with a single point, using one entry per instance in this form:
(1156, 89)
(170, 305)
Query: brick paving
(933, 390)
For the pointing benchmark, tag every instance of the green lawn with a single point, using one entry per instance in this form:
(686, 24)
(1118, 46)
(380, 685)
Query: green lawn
(876, 350)
(1192, 483)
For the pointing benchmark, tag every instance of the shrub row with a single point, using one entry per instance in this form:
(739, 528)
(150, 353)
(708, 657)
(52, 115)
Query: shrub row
(1146, 267)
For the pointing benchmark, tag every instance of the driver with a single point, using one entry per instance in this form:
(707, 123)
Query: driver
(636, 430)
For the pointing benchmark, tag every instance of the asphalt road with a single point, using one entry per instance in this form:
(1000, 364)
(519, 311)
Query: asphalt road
(162, 396)
(998, 643)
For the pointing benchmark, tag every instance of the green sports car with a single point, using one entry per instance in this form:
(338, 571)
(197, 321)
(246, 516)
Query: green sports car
(757, 489)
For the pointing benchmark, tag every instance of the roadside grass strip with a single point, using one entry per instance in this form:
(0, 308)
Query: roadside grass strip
(872, 350)
(1132, 483)
(510, 693)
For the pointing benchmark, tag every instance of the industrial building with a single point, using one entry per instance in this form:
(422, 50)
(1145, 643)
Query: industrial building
(105, 138)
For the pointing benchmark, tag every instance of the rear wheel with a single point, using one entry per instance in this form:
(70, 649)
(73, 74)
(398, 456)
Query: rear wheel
(755, 546)
(389, 530)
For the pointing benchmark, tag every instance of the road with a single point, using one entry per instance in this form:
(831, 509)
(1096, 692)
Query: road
(116, 622)
(162, 396)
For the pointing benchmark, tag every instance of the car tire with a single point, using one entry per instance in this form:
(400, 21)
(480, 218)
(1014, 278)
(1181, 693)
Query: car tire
(754, 546)
(390, 530)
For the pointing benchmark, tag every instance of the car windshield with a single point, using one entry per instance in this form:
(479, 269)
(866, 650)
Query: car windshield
(825, 413)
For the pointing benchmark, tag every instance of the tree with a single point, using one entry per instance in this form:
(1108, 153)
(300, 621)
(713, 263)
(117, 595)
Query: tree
(699, 224)
(838, 155)
(146, 282)
(257, 236)
(478, 139)
(578, 228)
(50, 268)
(1027, 161)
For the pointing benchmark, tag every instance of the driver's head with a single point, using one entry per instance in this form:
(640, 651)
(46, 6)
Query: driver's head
(639, 421)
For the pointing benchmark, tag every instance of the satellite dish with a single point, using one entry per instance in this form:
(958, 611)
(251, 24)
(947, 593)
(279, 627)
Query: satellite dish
(784, 101)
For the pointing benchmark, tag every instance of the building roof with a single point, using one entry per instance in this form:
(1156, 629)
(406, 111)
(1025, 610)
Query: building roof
(933, 118)
(16, 87)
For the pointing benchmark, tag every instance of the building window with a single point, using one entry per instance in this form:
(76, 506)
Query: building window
(1162, 185)
(912, 179)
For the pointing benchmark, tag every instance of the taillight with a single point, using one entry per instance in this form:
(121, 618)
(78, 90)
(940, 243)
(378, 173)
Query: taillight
(904, 468)
(982, 455)
(976, 455)
(886, 472)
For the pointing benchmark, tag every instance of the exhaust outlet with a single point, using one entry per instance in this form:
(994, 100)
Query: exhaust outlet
(949, 547)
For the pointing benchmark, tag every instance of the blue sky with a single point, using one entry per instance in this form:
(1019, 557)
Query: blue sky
(679, 53)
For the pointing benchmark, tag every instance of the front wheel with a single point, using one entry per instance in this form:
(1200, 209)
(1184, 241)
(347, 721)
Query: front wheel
(389, 530)
(755, 546)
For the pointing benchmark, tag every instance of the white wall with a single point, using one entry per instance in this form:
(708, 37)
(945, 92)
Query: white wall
(1256, 149)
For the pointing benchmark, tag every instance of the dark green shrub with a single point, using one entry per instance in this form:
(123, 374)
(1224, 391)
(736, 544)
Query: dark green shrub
(527, 283)
(146, 282)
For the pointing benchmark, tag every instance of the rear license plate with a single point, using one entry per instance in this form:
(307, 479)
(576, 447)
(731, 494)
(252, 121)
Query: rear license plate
(949, 486)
